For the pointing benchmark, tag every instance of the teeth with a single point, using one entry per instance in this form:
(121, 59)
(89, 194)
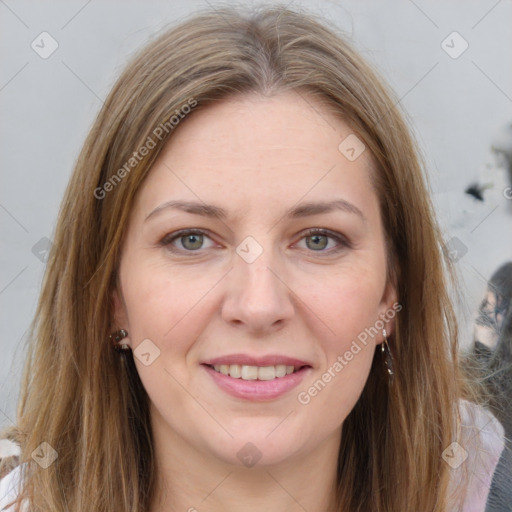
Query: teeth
(249, 372)
(234, 370)
(281, 370)
(266, 372)
(246, 372)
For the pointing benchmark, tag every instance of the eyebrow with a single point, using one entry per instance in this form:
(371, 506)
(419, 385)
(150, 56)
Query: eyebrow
(302, 210)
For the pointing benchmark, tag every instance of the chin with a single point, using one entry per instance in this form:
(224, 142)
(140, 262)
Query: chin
(256, 447)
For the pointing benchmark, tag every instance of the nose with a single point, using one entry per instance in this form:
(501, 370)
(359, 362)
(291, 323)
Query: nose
(258, 297)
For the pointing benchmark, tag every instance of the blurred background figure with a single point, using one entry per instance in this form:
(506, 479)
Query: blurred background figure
(492, 363)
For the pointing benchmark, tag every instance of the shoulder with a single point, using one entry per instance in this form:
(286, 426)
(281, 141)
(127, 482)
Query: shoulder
(473, 457)
(10, 488)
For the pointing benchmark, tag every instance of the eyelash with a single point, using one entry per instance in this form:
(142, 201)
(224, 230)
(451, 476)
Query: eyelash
(341, 240)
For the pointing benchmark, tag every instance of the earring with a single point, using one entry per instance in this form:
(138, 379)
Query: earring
(116, 337)
(388, 357)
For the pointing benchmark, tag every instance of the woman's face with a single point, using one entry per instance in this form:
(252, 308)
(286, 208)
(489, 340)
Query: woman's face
(250, 292)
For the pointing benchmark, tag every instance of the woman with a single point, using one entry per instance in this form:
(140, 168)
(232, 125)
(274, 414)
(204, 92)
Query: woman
(246, 307)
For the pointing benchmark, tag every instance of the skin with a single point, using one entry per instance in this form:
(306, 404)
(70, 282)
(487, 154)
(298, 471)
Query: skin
(256, 157)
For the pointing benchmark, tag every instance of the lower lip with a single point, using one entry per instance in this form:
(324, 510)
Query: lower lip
(257, 390)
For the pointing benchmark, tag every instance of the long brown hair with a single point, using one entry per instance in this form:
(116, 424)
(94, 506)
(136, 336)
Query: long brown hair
(88, 403)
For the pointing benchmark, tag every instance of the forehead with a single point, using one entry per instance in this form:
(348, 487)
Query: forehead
(253, 150)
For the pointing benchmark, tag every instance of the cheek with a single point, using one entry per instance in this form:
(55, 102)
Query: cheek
(346, 307)
(346, 303)
(163, 306)
(159, 298)
(349, 309)
(172, 308)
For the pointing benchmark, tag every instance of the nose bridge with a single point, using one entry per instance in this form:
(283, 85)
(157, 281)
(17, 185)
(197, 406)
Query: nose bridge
(257, 295)
(256, 266)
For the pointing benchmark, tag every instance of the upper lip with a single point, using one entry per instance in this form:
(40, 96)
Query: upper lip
(247, 360)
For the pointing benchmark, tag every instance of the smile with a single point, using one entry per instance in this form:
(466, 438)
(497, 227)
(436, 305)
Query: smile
(261, 382)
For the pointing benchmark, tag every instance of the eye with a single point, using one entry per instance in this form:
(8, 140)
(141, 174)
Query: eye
(189, 239)
(317, 239)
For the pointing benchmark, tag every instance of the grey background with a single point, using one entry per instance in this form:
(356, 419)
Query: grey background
(457, 107)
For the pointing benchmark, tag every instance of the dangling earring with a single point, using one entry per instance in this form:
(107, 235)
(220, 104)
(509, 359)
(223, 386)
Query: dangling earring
(388, 358)
(116, 337)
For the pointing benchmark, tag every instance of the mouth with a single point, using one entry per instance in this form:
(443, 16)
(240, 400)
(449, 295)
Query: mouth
(256, 379)
(248, 372)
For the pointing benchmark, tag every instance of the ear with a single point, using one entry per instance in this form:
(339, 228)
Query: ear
(118, 310)
(389, 309)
